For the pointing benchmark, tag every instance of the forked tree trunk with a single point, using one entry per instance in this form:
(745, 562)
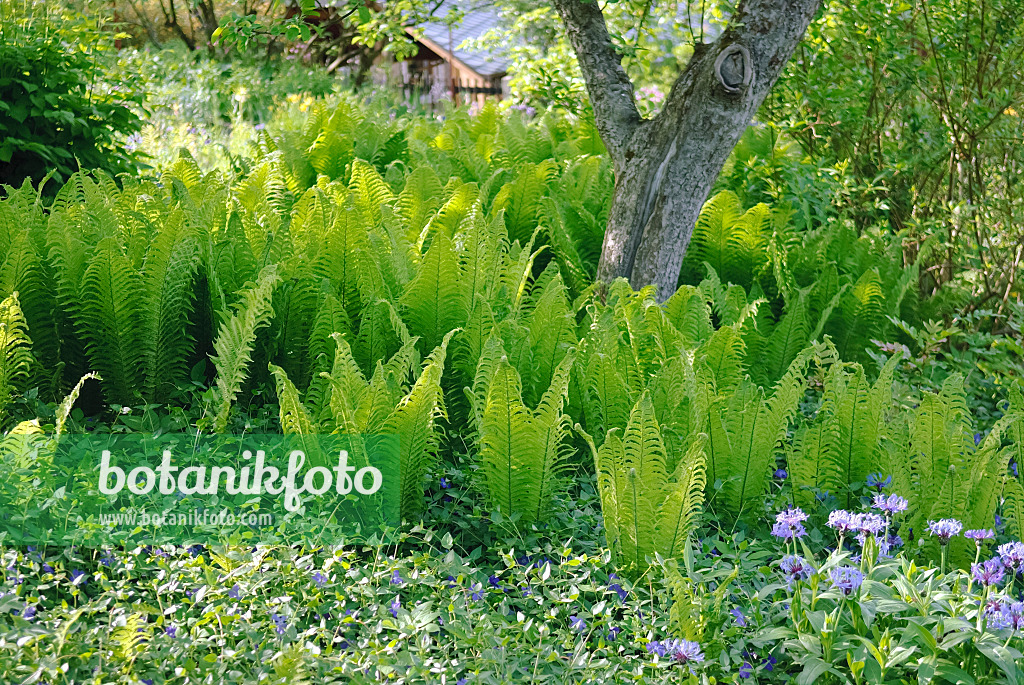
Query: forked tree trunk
(665, 166)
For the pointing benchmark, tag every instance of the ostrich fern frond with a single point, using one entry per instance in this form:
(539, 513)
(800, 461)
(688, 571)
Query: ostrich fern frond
(15, 354)
(522, 455)
(235, 340)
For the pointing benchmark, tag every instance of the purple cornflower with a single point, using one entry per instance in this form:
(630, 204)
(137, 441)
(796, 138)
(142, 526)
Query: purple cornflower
(396, 578)
(794, 568)
(737, 614)
(885, 547)
(842, 520)
(847, 579)
(875, 480)
(944, 529)
(395, 606)
(868, 523)
(683, 651)
(578, 624)
(319, 579)
(1006, 616)
(988, 573)
(891, 504)
(1012, 554)
(979, 534)
(280, 623)
(235, 592)
(789, 524)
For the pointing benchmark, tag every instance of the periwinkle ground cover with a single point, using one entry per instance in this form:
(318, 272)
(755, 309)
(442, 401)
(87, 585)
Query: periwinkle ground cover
(468, 598)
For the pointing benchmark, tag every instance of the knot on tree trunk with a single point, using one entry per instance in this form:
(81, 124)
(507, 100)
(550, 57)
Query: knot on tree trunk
(733, 68)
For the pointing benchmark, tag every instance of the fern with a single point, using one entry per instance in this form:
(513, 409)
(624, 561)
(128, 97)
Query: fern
(15, 355)
(647, 510)
(233, 346)
(433, 304)
(522, 456)
(111, 322)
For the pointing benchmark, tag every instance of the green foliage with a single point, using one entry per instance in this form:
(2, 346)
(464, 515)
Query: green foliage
(57, 113)
(235, 340)
(826, 281)
(523, 453)
(15, 354)
(648, 509)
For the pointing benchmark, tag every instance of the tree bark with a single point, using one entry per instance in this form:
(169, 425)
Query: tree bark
(665, 166)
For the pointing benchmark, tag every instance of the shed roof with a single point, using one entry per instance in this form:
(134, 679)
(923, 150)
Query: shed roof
(476, 21)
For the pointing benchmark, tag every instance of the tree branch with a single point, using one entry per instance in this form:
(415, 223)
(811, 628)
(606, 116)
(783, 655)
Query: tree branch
(610, 90)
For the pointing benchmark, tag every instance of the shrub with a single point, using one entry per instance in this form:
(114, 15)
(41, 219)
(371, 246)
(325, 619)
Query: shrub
(53, 117)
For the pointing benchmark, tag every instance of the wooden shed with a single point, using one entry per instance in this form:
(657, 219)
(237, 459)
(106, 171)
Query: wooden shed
(443, 68)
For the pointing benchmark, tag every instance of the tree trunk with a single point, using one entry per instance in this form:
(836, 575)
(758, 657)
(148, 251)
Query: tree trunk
(665, 166)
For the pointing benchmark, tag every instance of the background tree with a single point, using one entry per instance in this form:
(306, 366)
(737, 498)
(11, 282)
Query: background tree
(665, 165)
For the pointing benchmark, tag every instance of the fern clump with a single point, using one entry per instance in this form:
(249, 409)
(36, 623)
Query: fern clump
(648, 509)
(15, 354)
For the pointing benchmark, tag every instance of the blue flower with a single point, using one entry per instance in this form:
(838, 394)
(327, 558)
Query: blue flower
(494, 581)
(280, 623)
(794, 569)
(683, 651)
(617, 589)
(395, 606)
(613, 632)
(979, 534)
(396, 578)
(875, 480)
(319, 579)
(1012, 554)
(462, 681)
(891, 504)
(578, 624)
(780, 474)
(746, 670)
(769, 663)
(76, 575)
(1006, 615)
(30, 612)
(977, 439)
(445, 483)
(789, 524)
(235, 592)
(847, 579)
(737, 614)
(171, 631)
(944, 529)
(478, 592)
(990, 572)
